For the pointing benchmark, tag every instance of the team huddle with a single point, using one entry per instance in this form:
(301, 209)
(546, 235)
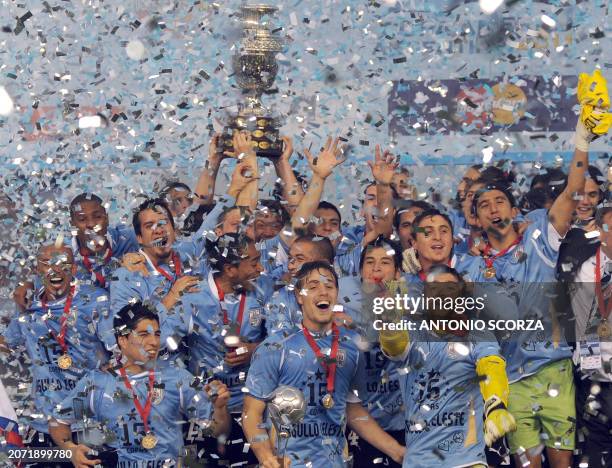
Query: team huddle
(160, 343)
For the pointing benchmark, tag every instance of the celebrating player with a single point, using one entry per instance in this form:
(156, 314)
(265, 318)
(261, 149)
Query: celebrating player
(139, 405)
(59, 332)
(321, 360)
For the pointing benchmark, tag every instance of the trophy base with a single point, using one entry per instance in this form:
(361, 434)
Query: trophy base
(265, 136)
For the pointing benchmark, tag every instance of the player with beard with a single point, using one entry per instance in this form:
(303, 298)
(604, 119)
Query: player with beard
(299, 361)
(59, 333)
(138, 403)
(524, 264)
(224, 323)
(380, 264)
(282, 311)
(444, 409)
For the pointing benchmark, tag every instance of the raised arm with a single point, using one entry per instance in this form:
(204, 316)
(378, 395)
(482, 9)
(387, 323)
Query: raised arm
(321, 166)
(205, 188)
(383, 168)
(593, 122)
(292, 189)
(246, 174)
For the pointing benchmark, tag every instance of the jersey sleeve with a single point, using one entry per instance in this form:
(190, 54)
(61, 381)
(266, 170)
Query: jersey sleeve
(264, 373)
(484, 344)
(124, 239)
(348, 260)
(197, 242)
(125, 288)
(543, 234)
(13, 335)
(84, 400)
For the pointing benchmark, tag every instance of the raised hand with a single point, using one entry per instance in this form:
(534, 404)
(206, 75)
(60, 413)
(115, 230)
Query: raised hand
(330, 156)
(287, 148)
(242, 144)
(383, 167)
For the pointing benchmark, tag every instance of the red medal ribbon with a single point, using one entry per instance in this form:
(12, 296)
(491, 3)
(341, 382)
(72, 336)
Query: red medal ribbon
(488, 258)
(221, 295)
(604, 309)
(99, 276)
(178, 269)
(61, 338)
(330, 369)
(144, 412)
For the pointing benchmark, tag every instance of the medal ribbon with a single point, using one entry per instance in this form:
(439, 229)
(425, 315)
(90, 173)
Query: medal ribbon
(604, 309)
(144, 412)
(221, 295)
(99, 276)
(178, 269)
(488, 258)
(61, 338)
(330, 368)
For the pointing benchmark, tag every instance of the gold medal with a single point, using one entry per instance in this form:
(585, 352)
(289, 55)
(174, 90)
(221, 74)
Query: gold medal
(257, 133)
(604, 330)
(490, 273)
(149, 441)
(262, 123)
(264, 145)
(64, 362)
(328, 401)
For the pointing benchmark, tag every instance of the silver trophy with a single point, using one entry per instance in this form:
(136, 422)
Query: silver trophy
(286, 408)
(255, 69)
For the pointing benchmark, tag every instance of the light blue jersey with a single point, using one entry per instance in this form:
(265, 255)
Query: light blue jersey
(200, 317)
(283, 313)
(32, 329)
(527, 273)
(97, 270)
(443, 404)
(274, 257)
(377, 374)
(348, 251)
(318, 441)
(106, 399)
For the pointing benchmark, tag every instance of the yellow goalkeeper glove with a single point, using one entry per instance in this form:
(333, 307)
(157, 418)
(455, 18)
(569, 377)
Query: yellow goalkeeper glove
(495, 389)
(594, 100)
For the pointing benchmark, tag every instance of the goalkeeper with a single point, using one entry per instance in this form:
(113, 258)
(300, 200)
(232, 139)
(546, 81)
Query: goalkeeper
(453, 381)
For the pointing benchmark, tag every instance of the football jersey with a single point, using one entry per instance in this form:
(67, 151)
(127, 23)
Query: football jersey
(378, 375)
(176, 399)
(273, 255)
(200, 317)
(527, 272)
(121, 239)
(34, 330)
(443, 404)
(318, 440)
(282, 311)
